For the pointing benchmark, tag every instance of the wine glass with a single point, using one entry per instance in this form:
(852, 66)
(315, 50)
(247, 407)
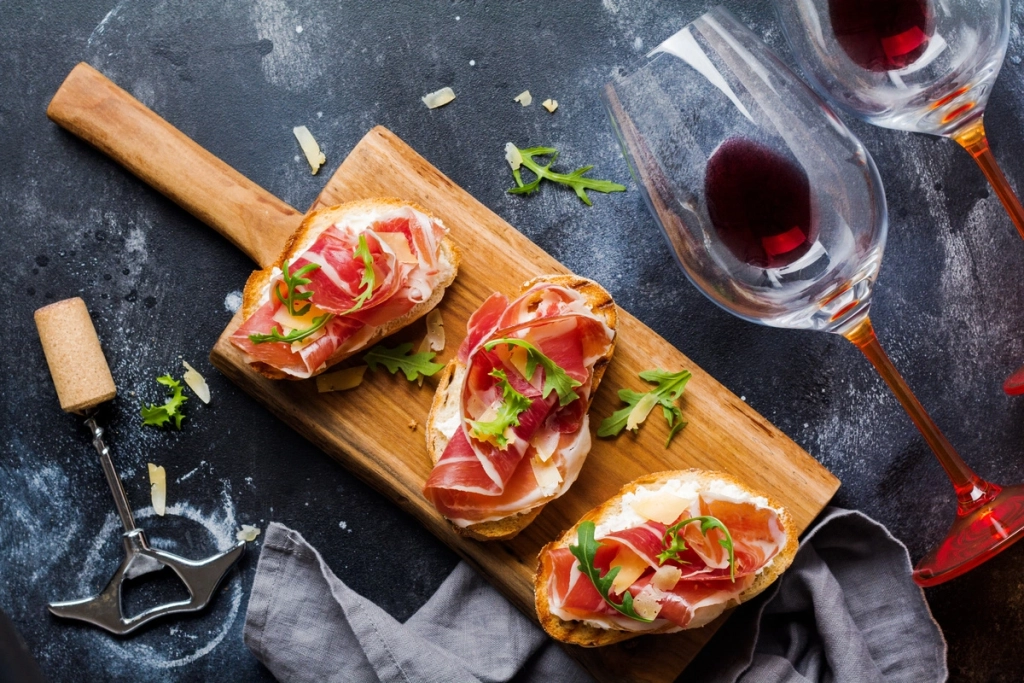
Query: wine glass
(920, 65)
(776, 213)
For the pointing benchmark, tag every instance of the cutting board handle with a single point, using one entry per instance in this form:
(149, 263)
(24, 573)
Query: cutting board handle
(92, 107)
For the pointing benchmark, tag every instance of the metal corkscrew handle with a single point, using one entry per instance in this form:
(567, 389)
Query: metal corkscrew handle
(124, 510)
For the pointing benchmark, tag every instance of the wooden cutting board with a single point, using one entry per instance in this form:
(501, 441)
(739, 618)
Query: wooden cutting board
(369, 429)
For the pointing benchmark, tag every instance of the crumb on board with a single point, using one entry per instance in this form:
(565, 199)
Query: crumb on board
(413, 425)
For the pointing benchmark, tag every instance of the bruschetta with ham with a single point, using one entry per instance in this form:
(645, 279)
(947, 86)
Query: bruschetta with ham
(508, 429)
(671, 551)
(349, 276)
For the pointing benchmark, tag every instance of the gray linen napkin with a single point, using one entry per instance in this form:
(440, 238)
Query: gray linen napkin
(845, 611)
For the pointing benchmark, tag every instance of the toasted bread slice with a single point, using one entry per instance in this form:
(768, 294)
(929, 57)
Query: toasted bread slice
(581, 633)
(449, 391)
(314, 224)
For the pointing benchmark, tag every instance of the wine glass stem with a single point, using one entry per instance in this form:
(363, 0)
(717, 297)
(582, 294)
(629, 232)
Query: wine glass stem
(971, 490)
(973, 139)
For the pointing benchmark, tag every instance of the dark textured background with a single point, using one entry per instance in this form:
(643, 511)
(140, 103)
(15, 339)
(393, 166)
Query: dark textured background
(237, 76)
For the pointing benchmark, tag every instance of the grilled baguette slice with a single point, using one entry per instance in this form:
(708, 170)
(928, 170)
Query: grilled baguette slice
(581, 633)
(449, 391)
(307, 233)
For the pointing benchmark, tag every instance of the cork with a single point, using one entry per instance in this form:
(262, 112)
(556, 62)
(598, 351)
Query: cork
(77, 366)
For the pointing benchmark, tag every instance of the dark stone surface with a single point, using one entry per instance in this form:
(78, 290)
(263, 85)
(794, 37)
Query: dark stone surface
(236, 76)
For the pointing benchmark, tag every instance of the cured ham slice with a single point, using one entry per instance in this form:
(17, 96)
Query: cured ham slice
(479, 478)
(673, 590)
(391, 244)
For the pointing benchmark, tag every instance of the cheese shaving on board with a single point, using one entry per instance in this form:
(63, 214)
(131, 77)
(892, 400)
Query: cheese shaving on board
(550, 105)
(247, 533)
(438, 98)
(158, 488)
(342, 380)
(513, 156)
(524, 98)
(196, 383)
(310, 148)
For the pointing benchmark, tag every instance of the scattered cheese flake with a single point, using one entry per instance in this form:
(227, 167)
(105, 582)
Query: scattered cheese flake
(641, 410)
(312, 151)
(438, 98)
(512, 156)
(524, 98)
(666, 578)
(158, 488)
(342, 380)
(661, 506)
(547, 475)
(413, 425)
(550, 105)
(434, 341)
(646, 603)
(196, 383)
(632, 566)
(247, 533)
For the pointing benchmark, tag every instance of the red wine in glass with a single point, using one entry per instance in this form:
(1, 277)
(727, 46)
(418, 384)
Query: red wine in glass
(883, 35)
(760, 203)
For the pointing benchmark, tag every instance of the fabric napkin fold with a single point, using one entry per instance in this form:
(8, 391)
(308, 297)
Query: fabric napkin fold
(846, 610)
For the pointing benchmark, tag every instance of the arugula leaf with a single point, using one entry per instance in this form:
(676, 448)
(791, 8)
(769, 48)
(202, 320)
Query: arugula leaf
(513, 403)
(399, 358)
(585, 551)
(638, 405)
(161, 415)
(555, 378)
(277, 335)
(292, 282)
(675, 543)
(293, 301)
(369, 281)
(575, 180)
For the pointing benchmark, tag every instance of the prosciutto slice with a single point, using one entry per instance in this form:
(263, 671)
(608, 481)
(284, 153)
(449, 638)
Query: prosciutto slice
(403, 245)
(704, 582)
(479, 480)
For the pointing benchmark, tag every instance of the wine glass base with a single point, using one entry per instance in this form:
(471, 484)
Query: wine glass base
(974, 538)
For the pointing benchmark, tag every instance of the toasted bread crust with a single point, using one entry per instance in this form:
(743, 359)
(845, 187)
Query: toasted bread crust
(449, 389)
(580, 633)
(315, 223)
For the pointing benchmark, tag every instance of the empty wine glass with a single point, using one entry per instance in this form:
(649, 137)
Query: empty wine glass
(776, 213)
(920, 65)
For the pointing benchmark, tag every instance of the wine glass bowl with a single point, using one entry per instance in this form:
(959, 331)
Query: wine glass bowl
(919, 65)
(925, 66)
(775, 211)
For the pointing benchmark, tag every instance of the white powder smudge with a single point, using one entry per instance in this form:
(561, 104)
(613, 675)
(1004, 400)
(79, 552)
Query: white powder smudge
(188, 474)
(290, 64)
(638, 43)
(221, 526)
(135, 244)
(233, 300)
(342, 525)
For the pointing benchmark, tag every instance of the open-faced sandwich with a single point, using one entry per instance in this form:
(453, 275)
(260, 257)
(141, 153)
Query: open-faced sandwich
(349, 276)
(670, 551)
(508, 430)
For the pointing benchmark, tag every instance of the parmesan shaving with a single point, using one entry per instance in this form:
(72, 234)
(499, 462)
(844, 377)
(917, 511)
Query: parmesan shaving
(247, 533)
(550, 105)
(547, 475)
(632, 566)
(196, 383)
(524, 98)
(342, 380)
(666, 578)
(641, 410)
(512, 156)
(646, 603)
(438, 98)
(158, 488)
(662, 506)
(310, 148)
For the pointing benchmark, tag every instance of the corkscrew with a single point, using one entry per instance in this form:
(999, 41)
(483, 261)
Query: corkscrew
(83, 381)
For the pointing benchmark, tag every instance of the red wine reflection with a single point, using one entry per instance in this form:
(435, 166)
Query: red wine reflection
(883, 35)
(759, 203)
